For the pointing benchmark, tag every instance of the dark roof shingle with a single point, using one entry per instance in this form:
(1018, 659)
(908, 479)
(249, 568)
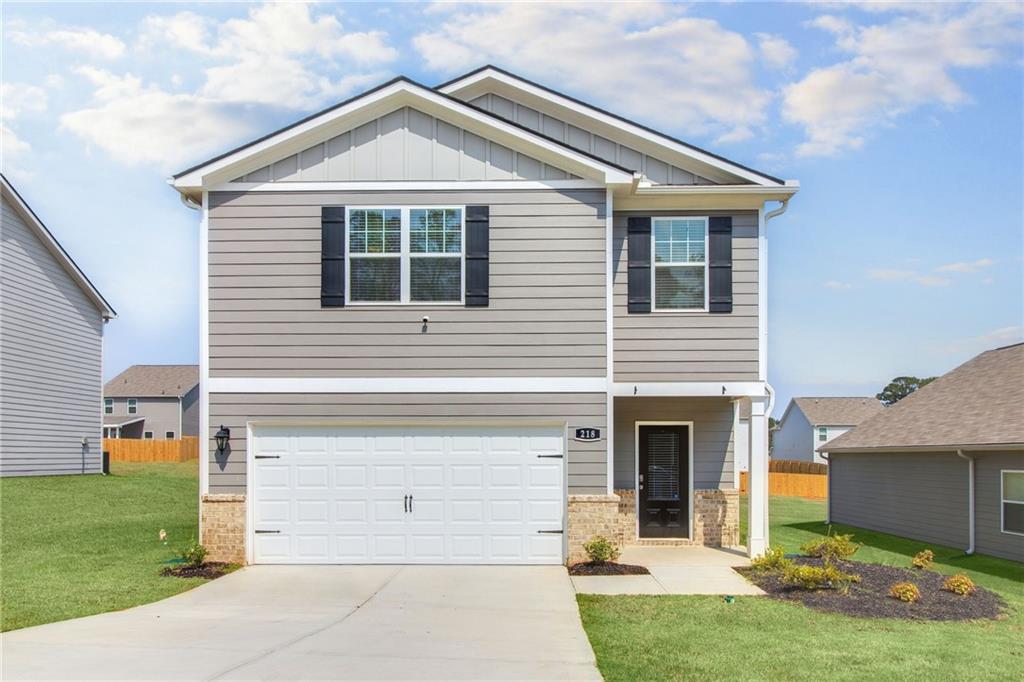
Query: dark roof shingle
(838, 411)
(153, 381)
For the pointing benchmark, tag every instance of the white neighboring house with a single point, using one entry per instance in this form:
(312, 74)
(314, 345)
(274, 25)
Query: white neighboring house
(809, 423)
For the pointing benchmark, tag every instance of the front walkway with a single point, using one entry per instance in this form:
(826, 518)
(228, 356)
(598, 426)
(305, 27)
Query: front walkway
(327, 622)
(675, 570)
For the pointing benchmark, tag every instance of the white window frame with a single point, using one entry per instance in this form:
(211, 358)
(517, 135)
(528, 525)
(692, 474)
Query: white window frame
(133, 405)
(147, 435)
(1003, 501)
(168, 435)
(405, 257)
(655, 265)
(822, 434)
(108, 406)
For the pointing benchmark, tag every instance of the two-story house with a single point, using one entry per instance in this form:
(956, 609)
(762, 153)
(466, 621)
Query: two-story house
(810, 423)
(477, 323)
(159, 402)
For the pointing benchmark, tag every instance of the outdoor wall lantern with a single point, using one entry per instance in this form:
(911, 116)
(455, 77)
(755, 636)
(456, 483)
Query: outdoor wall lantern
(223, 436)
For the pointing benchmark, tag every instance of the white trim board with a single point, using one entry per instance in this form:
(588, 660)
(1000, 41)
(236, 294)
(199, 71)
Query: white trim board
(404, 185)
(407, 384)
(636, 468)
(702, 389)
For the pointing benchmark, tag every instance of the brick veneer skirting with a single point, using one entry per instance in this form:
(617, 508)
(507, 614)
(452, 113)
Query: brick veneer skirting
(223, 522)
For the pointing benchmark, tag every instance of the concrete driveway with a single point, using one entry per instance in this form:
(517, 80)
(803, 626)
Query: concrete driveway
(327, 622)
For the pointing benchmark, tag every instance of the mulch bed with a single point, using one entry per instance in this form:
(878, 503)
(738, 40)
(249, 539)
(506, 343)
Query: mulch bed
(870, 597)
(208, 569)
(606, 568)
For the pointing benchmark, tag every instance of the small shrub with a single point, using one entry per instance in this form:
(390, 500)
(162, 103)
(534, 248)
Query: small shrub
(194, 555)
(832, 547)
(959, 584)
(905, 592)
(923, 559)
(826, 577)
(601, 550)
(774, 559)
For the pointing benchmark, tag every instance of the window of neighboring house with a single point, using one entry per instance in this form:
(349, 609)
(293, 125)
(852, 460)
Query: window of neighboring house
(822, 433)
(169, 435)
(108, 406)
(147, 434)
(405, 255)
(680, 263)
(110, 432)
(133, 405)
(1013, 501)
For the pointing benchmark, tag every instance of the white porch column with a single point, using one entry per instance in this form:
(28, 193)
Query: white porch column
(757, 495)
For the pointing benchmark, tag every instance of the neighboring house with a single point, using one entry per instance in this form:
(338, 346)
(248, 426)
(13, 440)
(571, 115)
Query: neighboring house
(809, 423)
(944, 465)
(51, 351)
(152, 402)
(477, 323)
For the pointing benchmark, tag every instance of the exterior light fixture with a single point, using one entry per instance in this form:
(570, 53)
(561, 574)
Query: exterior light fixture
(223, 436)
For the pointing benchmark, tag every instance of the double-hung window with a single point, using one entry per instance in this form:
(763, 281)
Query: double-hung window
(1012, 485)
(822, 433)
(133, 406)
(405, 255)
(108, 406)
(680, 263)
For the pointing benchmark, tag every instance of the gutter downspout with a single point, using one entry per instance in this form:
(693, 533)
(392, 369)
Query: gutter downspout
(970, 500)
(828, 487)
(776, 212)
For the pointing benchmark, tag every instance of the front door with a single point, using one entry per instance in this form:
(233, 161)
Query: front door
(664, 491)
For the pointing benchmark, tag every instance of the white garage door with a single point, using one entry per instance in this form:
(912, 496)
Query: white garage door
(407, 495)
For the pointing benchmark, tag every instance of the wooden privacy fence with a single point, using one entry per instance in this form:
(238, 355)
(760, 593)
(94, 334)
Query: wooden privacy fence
(786, 479)
(142, 450)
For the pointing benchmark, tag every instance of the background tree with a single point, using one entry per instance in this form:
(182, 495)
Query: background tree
(900, 387)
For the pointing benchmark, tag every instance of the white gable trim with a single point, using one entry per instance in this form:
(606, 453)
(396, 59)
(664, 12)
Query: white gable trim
(56, 250)
(492, 80)
(376, 103)
(405, 185)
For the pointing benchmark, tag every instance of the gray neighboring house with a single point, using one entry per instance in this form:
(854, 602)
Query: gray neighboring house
(945, 464)
(152, 402)
(477, 323)
(810, 423)
(51, 351)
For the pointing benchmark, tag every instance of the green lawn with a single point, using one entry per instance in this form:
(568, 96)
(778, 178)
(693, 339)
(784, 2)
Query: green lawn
(662, 638)
(78, 545)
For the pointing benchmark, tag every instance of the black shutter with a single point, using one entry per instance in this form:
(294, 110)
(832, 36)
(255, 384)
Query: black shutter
(639, 250)
(332, 256)
(478, 225)
(720, 264)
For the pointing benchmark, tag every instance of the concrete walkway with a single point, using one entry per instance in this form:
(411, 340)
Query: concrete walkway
(674, 570)
(327, 622)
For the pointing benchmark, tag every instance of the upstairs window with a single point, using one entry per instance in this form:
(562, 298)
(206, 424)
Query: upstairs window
(108, 406)
(405, 255)
(1013, 502)
(822, 433)
(680, 263)
(133, 406)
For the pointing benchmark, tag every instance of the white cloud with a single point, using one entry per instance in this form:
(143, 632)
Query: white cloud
(967, 266)
(836, 284)
(895, 67)
(19, 98)
(1004, 336)
(12, 147)
(86, 40)
(776, 52)
(646, 60)
(895, 275)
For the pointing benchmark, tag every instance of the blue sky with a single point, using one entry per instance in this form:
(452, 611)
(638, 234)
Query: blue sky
(902, 254)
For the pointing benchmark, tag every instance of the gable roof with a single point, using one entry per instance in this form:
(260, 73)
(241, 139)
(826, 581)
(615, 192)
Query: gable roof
(56, 250)
(980, 403)
(832, 411)
(394, 94)
(487, 77)
(153, 381)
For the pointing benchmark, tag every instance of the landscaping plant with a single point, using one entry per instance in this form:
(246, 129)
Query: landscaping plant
(194, 554)
(601, 550)
(905, 592)
(774, 559)
(832, 547)
(826, 577)
(923, 559)
(959, 584)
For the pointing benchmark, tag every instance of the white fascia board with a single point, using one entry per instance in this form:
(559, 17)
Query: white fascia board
(711, 197)
(708, 389)
(405, 185)
(407, 384)
(489, 80)
(376, 104)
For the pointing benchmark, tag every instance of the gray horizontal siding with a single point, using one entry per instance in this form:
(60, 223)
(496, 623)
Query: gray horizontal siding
(922, 496)
(988, 535)
(547, 293)
(50, 352)
(667, 346)
(712, 437)
(586, 465)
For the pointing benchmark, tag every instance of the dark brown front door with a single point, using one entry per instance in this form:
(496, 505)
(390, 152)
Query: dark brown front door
(664, 490)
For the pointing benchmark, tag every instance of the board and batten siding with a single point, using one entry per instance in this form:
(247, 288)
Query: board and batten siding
(50, 350)
(689, 346)
(989, 537)
(914, 495)
(547, 313)
(712, 437)
(586, 464)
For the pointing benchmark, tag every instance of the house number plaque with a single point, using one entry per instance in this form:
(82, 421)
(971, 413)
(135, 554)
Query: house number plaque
(588, 434)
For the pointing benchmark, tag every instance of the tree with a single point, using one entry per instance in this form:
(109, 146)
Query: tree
(900, 387)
